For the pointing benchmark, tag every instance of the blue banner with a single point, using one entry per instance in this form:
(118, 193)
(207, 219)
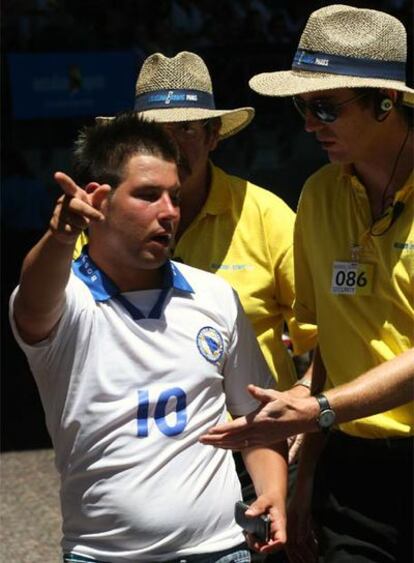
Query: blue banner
(56, 85)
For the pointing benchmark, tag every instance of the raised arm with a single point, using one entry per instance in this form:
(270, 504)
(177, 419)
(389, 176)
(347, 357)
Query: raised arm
(46, 268)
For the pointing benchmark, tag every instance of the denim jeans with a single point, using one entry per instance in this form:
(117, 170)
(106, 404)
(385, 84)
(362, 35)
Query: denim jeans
(237, 554)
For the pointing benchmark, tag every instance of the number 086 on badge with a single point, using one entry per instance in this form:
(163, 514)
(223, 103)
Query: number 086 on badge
(352, 278)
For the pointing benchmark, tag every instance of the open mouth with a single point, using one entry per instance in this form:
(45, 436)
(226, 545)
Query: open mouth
(164, 240)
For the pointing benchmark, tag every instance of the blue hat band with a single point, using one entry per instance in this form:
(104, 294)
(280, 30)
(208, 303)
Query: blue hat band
(164, 99)
(349, 66)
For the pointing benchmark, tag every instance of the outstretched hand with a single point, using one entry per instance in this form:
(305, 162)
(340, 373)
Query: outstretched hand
(74, 210)
(279, 416)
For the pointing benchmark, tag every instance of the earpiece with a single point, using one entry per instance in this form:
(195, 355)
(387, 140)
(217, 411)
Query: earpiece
(386, 104)
(383, 105)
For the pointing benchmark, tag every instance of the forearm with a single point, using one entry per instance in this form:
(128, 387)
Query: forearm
(267, 468)
(313, 380)
(44, 276)
(382, 388)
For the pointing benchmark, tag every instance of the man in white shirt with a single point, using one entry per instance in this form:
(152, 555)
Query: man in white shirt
(135, 358)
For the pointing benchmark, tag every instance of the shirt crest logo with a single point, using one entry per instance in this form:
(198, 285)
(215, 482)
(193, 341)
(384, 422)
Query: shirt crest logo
(210, 344)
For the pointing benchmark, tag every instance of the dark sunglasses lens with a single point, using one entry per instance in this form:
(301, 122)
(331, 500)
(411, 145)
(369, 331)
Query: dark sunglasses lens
(325, 112)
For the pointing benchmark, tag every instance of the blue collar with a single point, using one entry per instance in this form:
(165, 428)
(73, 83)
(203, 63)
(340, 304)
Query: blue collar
(103, 288)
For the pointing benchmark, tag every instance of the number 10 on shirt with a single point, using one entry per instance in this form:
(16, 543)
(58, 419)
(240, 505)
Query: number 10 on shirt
(175, 399)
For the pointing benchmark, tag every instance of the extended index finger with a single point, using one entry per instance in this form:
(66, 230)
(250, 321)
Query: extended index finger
(77, 200)
(69, 186)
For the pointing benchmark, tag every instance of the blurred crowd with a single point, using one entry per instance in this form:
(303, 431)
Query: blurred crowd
(167, 25)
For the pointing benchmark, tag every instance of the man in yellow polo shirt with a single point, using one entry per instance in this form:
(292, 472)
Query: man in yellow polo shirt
(354, 269)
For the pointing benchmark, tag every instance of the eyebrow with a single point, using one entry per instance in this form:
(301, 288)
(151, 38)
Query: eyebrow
(150, 186)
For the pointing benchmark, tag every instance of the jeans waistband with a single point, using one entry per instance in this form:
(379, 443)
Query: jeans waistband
(203, 556)
(74, 558)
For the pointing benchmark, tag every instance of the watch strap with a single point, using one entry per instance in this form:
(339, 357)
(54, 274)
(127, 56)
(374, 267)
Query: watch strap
(326, 416)
(323, 402)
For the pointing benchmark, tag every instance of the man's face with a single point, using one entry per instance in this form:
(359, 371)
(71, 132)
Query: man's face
(352, 136)
(142, 212)
(195, 139)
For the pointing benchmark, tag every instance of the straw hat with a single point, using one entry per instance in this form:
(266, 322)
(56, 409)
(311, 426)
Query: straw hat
(179, 89)
(343, 47)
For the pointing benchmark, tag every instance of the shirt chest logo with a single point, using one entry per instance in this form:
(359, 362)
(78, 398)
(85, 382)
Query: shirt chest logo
(210, 344)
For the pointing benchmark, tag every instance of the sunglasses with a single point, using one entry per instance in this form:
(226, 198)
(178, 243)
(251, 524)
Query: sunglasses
(186, 129)
(324, 110)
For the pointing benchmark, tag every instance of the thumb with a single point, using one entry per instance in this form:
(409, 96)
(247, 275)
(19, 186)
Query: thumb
(262, 395)
(259, 506)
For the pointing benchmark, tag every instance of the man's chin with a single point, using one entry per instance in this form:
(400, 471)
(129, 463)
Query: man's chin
(153, 261)
(337, 157)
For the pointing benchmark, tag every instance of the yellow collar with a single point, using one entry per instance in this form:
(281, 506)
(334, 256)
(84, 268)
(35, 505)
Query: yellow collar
(219, 197)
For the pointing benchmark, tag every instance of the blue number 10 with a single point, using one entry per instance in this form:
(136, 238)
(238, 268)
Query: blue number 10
(160, 412)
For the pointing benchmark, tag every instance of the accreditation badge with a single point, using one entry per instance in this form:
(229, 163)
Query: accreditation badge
(352, 278)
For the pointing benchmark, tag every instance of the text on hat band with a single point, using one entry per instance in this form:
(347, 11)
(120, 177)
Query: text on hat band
(350, 66)
(159, 99)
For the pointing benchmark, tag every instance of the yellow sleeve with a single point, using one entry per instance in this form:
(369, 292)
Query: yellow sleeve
(303, 336)
(304, 306)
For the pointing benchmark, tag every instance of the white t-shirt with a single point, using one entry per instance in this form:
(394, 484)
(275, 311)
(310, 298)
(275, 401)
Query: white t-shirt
(126, 402)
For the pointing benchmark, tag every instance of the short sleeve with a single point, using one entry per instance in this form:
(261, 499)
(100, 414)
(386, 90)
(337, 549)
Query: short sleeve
(245, 364)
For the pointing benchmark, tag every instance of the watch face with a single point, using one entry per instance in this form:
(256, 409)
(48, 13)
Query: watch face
(326, 418)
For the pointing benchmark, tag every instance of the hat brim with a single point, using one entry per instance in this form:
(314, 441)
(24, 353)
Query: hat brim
(232, 121)
(293, 83)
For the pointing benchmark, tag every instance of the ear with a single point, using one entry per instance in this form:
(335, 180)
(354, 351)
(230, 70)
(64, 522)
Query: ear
(214, 135)
(98, 194)
(391, 94)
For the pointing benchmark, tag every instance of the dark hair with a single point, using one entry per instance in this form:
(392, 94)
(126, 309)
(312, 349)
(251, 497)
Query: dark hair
(103, 149)
(373, 95)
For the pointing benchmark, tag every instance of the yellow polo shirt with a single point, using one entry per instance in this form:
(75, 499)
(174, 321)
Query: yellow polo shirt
(244, 234)
(358, 288)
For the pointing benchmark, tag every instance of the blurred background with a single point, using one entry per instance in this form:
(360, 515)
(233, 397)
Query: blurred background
(66, 61)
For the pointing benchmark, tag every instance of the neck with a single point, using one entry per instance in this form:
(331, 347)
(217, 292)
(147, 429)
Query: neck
(194, 194)
(386, 171)
(125, 278)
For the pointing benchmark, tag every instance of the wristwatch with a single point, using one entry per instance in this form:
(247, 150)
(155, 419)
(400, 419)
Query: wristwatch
(326, 416)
